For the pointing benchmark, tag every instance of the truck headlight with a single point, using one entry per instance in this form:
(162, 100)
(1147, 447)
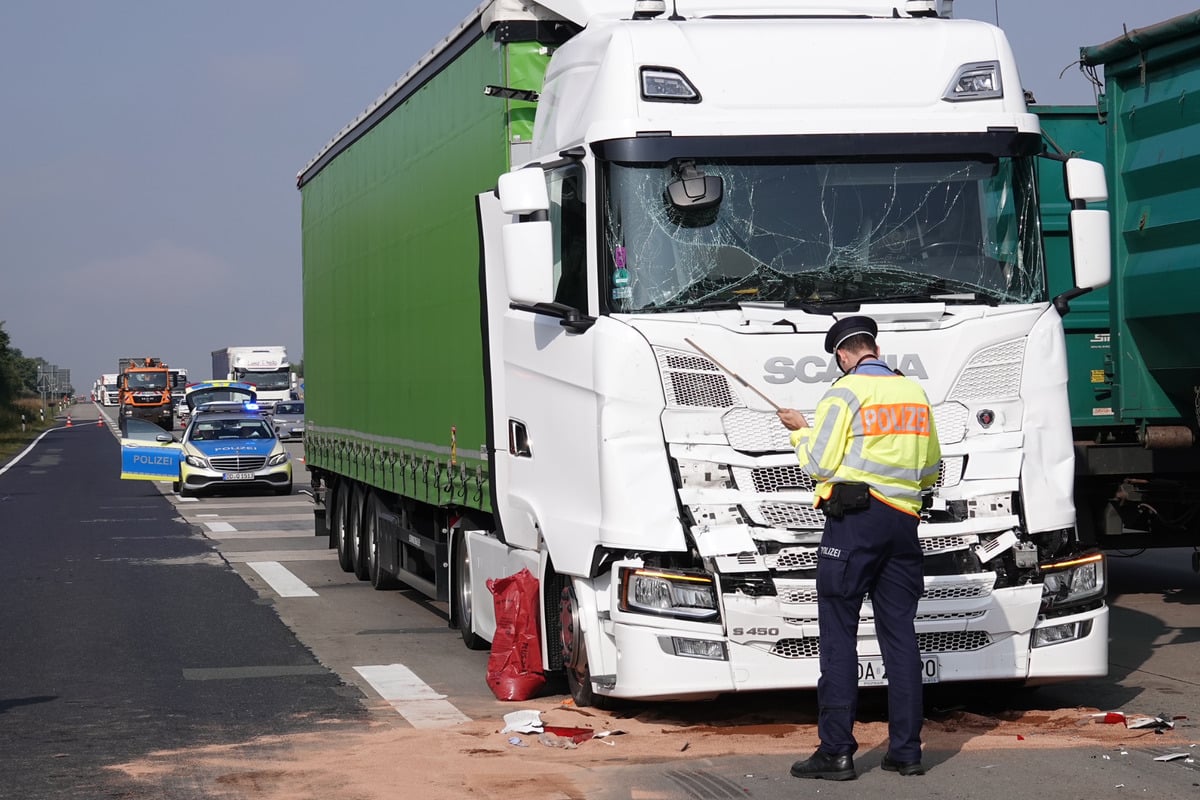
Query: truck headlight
(687, 595)
(1072, 581)
(1066, 632)
(277, 459)
(196, 461)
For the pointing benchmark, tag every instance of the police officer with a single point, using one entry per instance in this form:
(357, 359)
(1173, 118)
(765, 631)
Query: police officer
(873, 450)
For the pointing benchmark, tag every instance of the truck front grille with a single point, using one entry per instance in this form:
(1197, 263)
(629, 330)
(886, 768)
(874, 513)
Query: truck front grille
(693, 381)
(928, 643)
(790, 559)
(238, 463)
(789, 515)
(992, 374)
(773, 479)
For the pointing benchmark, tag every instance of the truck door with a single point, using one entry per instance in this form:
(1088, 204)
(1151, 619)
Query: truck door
(543, 403)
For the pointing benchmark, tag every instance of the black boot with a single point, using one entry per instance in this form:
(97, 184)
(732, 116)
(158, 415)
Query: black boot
(903, 767)
(823, 765)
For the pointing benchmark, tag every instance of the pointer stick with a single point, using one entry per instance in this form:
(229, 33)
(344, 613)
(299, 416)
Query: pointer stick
(736, 377)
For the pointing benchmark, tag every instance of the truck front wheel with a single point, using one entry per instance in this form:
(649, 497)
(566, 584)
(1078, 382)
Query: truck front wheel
(574, 653)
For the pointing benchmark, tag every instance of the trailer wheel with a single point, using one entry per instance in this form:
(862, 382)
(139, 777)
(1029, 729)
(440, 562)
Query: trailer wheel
(380, 578)
(464, 596)
(574, 653)
(341, 509)
(355, 534)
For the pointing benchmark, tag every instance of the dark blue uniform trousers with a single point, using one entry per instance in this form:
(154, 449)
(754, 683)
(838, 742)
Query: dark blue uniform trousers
(872, 551)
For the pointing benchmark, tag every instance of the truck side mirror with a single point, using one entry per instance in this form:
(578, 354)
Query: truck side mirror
(529, 262)
(528, 244)
(523, 191)
(1085, 181)
(1090, 238)
(1090, 248)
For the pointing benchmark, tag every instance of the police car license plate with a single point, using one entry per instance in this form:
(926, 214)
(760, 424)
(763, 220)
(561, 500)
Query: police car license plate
(871, 672)
(238, 476)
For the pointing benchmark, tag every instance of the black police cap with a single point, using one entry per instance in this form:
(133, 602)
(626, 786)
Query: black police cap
(843, 329)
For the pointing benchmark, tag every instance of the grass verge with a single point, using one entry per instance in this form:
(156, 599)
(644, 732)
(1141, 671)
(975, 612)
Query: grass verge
(12, 439)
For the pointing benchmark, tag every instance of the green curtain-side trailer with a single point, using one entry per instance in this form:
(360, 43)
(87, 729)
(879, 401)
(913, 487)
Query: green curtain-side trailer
(391, 276)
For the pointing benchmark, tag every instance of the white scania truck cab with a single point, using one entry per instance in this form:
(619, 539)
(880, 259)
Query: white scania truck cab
(711, 184)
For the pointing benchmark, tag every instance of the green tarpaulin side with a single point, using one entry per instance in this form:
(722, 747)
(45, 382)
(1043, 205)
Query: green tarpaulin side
(393, 347)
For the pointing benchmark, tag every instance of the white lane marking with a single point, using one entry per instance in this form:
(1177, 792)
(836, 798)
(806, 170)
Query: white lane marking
(279, 578)
(416, 701)
(220, 527)
(273, 534)
(25, 452)
(235, 557)
(261, 517)
(187, 499)
(208, 515)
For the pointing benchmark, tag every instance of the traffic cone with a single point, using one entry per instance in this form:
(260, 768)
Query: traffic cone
(99, 421)
(68, 420)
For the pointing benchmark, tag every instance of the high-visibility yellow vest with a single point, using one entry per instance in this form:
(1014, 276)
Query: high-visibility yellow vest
(872, 429)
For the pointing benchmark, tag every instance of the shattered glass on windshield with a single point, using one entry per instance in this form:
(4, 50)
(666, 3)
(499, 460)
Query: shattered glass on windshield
(822, 233)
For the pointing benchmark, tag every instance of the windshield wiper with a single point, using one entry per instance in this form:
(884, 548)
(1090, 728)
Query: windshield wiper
(825, 305)
(703, 305)
(942, 297)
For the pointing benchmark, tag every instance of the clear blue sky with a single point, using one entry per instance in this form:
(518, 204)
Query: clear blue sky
(149, 152)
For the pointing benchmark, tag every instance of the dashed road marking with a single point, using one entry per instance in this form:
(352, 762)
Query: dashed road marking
(220, 527)
(272, 534)
(279, 578)
(416, 701)
(235, 557)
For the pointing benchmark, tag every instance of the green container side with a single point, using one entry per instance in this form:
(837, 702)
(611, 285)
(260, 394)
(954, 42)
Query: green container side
(1076, 130)
(1152, 101)
(394, 383)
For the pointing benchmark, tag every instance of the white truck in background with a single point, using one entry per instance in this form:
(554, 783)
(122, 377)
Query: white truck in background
(110, 390)
(702, 177)
(179, 382)
(267, 368)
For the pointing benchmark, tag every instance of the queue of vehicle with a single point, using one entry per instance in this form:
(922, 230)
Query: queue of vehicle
(228, 442)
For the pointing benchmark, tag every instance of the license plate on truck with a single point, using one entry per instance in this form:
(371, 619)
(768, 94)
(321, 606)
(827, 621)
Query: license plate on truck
(871, 671)
(238, 476)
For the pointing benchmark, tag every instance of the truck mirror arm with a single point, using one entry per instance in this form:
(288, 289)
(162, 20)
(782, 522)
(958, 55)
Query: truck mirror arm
(1062, 303)
(572, 318)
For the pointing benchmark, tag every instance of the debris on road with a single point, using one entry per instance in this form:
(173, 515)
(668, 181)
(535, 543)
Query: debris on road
(552, 740)
(1158, 724)
(525, 721)
(1172, 756)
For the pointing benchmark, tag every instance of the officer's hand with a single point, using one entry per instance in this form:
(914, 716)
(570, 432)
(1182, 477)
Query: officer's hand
(792, 419)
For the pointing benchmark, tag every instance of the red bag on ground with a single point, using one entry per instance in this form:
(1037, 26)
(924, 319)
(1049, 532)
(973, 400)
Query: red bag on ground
(514, 670)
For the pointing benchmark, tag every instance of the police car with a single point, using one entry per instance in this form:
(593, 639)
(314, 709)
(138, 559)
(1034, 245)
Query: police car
(222, 449)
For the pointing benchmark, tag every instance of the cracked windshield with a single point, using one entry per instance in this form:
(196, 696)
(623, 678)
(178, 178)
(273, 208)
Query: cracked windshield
(711, 234)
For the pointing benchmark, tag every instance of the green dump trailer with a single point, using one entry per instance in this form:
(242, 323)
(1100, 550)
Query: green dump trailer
(1135, 367)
